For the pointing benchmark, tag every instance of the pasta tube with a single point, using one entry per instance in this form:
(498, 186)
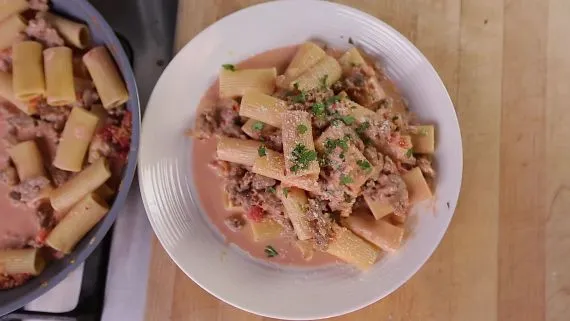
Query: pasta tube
(235, 150)
(28, 70)
(75, 139)
(235, 83)
(262, 107)
(352, 249)
(10, 30)
(298, 145)
(76, 34)
(424, 140)
(417, 186)
(296, 205)
(28, 160)
(80, 220)
(326, 72)
(106, 77)
(378, 208)
(272, 165)
(265, 230)
(28, 261)
(306, 56)
(85, 182)
(351, 58)
(7, 92)
(60, 86)
(384, 235)
(10, 7)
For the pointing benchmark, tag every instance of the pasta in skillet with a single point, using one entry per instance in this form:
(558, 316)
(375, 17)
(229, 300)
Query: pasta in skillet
(66, 137)
(326, 154)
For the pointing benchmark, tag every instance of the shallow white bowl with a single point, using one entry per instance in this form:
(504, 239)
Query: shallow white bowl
(169, 193)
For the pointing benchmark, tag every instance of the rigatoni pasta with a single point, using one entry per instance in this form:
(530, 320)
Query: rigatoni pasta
(28, 70)
(75, 140)
(75, 224)
(235, 83)
(60, 86)
(85, 182)
(28, 160)
(52, 92)
(106, 76)
(332, 165)
(21, 261)
(10, 31)
(11, 7)
(262, 107)
(74, 33)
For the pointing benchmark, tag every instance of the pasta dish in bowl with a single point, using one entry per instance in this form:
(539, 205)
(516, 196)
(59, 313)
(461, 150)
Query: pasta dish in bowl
(309, 160)
(67, 118)
(327, 155)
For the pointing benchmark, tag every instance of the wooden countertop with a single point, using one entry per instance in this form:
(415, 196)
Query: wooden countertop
(506, 64)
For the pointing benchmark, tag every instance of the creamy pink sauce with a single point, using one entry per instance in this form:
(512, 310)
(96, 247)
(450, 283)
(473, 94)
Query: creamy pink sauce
(18, 223)
(209, 185)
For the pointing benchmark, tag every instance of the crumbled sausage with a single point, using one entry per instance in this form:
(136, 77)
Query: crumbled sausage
(41, 30)
(9, 175)
(235, 222)
(29, 189)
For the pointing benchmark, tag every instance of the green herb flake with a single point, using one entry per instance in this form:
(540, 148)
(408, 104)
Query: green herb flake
(409, 152)
(271, 190)
(318, 109)
(324, 82)
(341, 155)
(286, 191)
(343, 143)
(261, 151)
(302, 157)
(364, 165)
(300, 98)
(345, 180)
(349, 119)
(229, 67)
(395, 118)
(333, 99)
(257, 126)
(270, 251)
(301, 129)
(362, 127)
(347, 198)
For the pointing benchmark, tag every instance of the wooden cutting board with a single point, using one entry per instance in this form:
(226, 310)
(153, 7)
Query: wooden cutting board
(506, 64)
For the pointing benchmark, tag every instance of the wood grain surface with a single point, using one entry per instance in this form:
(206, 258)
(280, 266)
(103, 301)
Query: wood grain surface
(505, 257)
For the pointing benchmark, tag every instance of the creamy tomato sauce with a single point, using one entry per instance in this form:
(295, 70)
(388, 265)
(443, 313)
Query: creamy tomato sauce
(18, 223)
(209, 185)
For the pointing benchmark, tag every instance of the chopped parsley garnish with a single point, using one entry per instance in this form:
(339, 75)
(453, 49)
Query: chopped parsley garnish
(367, 141)
(364, 165)
(286, 191)
(323, 161)
(301, 129)
(344, 179)
(302, 157)
(348, 119)
(347, 198)
(324, 81)
(261, 151)
(341, 155)
(333, 99)
(331, 144)
(395, 118)
(362, 127)
(257, 126)
(229, 67)
(318, 109)
(410, 152)
(270, 251)
(271, 189)
(300, 98)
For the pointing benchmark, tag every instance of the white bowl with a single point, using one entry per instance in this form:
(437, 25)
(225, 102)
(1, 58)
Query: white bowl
(168, 190)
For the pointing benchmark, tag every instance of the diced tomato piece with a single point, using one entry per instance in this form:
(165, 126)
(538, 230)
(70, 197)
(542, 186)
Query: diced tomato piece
(255, 214)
